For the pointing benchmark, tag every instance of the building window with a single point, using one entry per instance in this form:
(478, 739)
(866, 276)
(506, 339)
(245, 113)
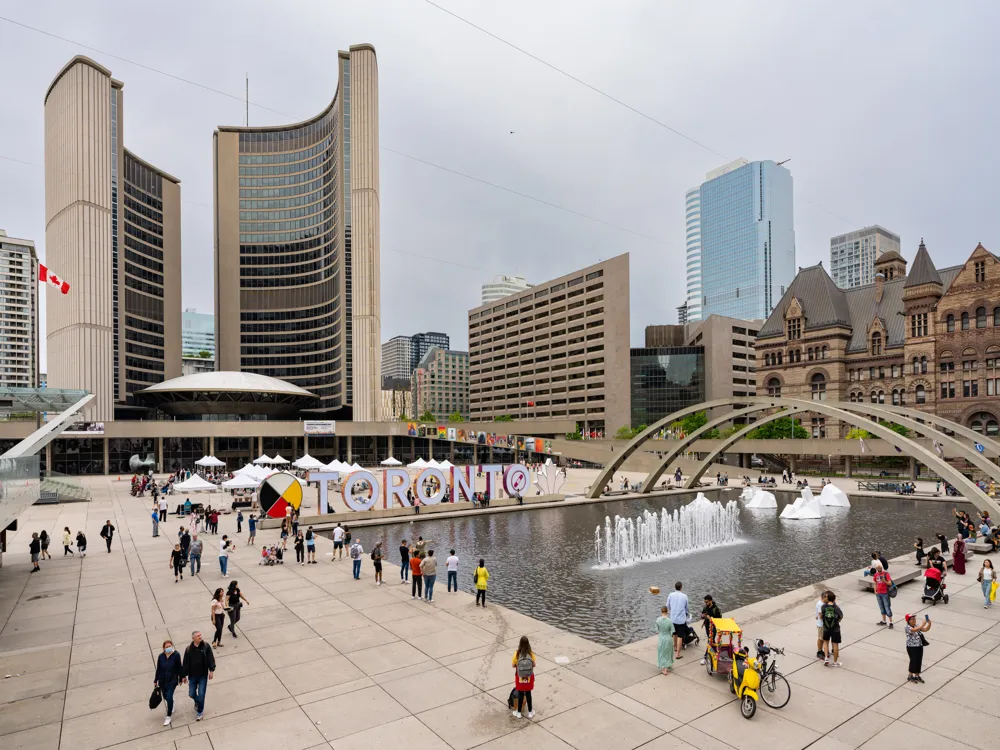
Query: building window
(774, 387)
(980, 266)
(895, 397)
(951, 323)
(876, 344)
(918, 325)
(965, 321)
(992, 379)
(921, 394)
(818, 384)
(779, 358)
(809, 354)
(947, 389)
(916, 366)
(980, 317)
(970, 388)
(825, 349)
(819, 427)
(794, 329)
(923, 365)
(895, 371)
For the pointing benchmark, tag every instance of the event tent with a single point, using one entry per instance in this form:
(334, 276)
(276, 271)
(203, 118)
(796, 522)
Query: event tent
(263, 459)
(241, 482)
(209, 461)
(307, 462)
(278, 459)
(195, 484)
(392, 462)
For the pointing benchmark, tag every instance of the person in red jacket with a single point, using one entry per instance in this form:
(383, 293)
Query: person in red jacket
(882, 582)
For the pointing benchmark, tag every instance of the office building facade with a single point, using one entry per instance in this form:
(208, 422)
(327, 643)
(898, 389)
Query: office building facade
(744, 258)
(853, 255)
(441, 384)
(112, 230)
(198, 333)
(19, 316)
(557, 350)
(297, 247)
(692, 252)
(664, 380)
(397, 359)
(424, 342)
(503, 286)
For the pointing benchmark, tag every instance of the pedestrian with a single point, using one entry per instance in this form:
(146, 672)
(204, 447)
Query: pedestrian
(156, 521)
(295, 522)
(524, 676)
(338, 542)
(479, 577)
(35, 548)
(300, 549)
(958, 556)
(163, 508)
(234, 603)
(185, 542)
(882, 581)
(943, 541)
(417, 589)
(215, 521)
(284, 534)
(428, 569)
(310, 546)
(420, 546)
(915, 643)
(225, 548)
(919, 547)
(252, 525)
(452, 564)
(347, 538)
(404, 562)
(665, 641)
(67, 541)
(832, 615)
(169, 673)
(44, 539)
(356, 553)
(194, 554)
(677, 603)
(987, 579)
(239, 521)
(198, 667)
(108, 533)
(177, 562)
(377, 563)
(709, 611)
(81, 544)
(218, 616)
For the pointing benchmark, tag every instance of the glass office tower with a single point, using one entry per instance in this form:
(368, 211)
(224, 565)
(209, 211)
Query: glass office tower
(665, 379)
(747, 239)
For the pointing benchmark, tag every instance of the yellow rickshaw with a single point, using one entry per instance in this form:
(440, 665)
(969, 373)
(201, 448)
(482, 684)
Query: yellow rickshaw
(725, 638)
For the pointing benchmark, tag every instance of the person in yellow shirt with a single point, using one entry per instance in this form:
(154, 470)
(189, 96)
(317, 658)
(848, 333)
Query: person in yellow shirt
(481, 575)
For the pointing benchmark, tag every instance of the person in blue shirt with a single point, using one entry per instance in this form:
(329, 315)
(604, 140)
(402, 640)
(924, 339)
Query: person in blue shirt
(677, 603)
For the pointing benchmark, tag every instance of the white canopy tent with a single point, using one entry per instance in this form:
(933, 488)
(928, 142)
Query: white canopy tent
(307, 462)
(446, 464)
(248, 469)
(195, 484)
(241, 482)
(263, 458)
(209, 461)
(334, 465)
(418, 464)
(392, 462)
(434, 464)
(354, 467)
(278, 459)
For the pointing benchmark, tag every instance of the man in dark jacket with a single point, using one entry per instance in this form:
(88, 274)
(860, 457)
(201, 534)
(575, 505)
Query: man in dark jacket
(709, 611)
(108, 533)
(199, 668)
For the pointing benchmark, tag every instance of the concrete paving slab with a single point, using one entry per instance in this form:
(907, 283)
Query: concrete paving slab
(353, 712)
(405, 732)
(472, 721)
(599, 725)
(426, 690)
(614, 669)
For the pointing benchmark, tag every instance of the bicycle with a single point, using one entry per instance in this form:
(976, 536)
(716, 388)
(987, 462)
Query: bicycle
(774, 688)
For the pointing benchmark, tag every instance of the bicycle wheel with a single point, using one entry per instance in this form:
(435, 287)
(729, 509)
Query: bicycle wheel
(775, 690)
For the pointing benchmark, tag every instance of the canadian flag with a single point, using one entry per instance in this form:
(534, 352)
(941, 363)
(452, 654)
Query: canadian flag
(44, 274)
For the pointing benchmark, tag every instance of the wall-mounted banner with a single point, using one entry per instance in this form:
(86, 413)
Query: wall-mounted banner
(362, 490)
(319, 427)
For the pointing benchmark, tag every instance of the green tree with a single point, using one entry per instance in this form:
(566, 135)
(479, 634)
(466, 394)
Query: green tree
(779, 429)
(692, 422)
(456, 417)
(426, 417)
(403, 418)
(204, 354)
(574, 435)
(856, 433)
(503, 418)
(727, 432)
(898, 428)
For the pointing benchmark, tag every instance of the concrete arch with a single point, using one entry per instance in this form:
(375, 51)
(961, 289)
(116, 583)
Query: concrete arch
(933, 419)
(682, 445)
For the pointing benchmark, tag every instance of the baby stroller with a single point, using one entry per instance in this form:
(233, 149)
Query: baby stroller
(933, 587)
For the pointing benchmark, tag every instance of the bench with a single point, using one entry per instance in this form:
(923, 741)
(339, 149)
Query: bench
(909, 574)
(47, 498)
(983, 548)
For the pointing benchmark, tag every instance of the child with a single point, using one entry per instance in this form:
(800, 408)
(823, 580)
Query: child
(831, 617)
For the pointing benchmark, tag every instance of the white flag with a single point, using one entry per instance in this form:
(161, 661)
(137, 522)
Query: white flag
(864, 448)
(939, 448)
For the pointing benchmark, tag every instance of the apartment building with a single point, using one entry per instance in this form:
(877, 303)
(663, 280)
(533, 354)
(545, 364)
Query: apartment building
(19, 305)
(559, 349)
(441, 384)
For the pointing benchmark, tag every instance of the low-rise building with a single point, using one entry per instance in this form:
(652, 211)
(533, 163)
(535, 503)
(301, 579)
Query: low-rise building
(441, 384)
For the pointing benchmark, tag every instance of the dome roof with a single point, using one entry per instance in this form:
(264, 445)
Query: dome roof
(223, 392)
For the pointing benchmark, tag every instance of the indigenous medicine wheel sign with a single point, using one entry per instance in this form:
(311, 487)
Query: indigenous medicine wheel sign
(278, 492)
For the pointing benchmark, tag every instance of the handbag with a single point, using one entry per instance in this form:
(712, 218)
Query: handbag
(155, 697)
(924, 641)
(993, 591)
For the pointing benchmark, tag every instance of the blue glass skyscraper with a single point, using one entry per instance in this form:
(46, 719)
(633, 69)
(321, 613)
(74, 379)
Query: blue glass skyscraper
(746, 253)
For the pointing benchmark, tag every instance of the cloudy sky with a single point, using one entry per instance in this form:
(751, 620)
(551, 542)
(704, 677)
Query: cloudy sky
(887, 112)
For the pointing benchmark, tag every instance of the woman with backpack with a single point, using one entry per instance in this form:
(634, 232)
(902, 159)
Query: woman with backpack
(524, 676)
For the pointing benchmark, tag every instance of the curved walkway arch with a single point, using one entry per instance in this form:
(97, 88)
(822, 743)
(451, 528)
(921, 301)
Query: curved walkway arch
(934, 419)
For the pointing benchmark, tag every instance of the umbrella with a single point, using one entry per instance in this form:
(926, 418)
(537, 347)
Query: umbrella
(307, 462)
(392, 462)
(264, 459)
(278, 459)
(418, 464)
(195, 484)
(241, 482)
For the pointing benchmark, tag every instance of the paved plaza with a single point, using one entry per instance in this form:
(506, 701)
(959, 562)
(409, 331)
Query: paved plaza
(325, 661)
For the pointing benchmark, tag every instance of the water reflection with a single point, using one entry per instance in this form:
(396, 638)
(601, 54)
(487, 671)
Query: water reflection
(542, 562)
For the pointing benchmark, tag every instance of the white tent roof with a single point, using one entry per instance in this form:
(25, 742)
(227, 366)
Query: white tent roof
(263, 459)
(307, 462)
(392, 462)
(209, 461)
(334, 465)
(195, 484)
(249, 468)
(241, 482)
(434, 464)
(418, 464)
(278, 459)
(446, 464)
(355, 467)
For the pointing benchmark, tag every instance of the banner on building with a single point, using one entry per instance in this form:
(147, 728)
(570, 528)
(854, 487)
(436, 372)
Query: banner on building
(316, 427)
(85, 428)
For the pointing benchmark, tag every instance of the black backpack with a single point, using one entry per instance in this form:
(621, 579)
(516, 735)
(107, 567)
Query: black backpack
(830, 620)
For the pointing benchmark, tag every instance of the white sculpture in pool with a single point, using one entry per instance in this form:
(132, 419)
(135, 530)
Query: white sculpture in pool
(762, 499)
(806, 507)
(747, 494)
(834, 497)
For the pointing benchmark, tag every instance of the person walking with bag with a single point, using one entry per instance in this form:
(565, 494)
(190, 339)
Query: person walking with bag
(218, 616)
(524, 676)
(44, 539)
(35, 548)
(377, 563)
(225, 548)
(915, 643)
(81, 544)
(67, 541)
(198, 667)
(177, 562)
(479, 577)
(234, 603)
(356, 552)
(987, 579)
(169, 674)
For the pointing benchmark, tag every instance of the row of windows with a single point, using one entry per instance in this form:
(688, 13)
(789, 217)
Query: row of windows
(142, 248)
(142, 260)
(143, 197)
(326, 172)
(283, 192)
(140, 221)
(143, 325)
(279, 212)
(143, 209)
(287, 156)
(285, 168)
(981, 318)
(300, 234)
(142, 286)
(284, 373)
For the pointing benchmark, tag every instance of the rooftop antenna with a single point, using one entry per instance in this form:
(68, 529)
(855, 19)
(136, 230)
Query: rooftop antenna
(784, 162)
(247, 76)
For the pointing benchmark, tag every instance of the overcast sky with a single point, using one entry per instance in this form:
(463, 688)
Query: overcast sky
(887, 111)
